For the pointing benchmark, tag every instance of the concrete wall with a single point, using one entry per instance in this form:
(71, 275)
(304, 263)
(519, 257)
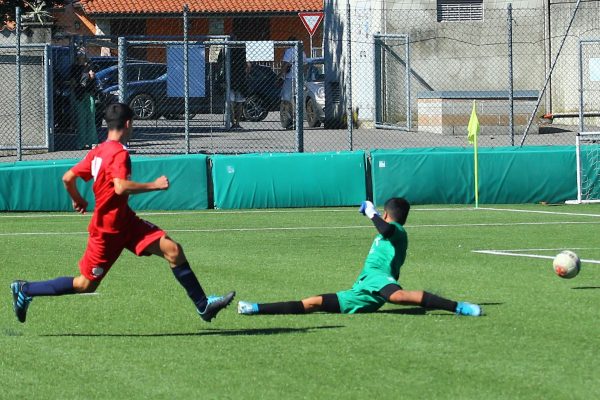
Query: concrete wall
(565, 82)
(473, 55)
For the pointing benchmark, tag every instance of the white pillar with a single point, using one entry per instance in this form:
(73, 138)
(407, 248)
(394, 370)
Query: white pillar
(366, 21)
(103, 28)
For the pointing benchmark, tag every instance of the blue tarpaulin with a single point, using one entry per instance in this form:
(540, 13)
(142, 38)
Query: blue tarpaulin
(175, 71)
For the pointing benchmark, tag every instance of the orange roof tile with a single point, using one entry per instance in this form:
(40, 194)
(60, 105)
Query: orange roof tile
(149, 7)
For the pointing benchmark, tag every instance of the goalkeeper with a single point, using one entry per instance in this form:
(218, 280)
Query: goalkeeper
(378, 280)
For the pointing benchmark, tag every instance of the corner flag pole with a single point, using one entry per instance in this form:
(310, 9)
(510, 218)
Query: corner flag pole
(473, 132)
(476, 173)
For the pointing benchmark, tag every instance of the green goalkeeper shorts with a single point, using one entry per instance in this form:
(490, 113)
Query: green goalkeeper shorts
(359, 301)
(364, 295)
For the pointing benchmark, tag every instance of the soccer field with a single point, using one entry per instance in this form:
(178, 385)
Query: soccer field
(139, 335)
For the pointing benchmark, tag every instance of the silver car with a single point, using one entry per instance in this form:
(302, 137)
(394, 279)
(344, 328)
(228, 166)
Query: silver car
(314, 92)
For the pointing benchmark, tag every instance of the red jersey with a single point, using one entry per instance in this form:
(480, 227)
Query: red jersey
(104, 163)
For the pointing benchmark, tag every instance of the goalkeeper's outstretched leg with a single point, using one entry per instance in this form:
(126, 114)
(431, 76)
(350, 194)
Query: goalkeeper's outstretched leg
(352, 302)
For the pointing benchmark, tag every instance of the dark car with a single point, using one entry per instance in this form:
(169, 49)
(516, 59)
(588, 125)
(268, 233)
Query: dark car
(99, 63)
(134, 72)
(146, 93)
(263, 94)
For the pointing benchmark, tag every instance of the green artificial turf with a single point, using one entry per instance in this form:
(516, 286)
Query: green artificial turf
(140, 337)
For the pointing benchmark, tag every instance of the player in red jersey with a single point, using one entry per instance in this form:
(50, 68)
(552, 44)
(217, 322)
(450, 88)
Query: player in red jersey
(115, 227)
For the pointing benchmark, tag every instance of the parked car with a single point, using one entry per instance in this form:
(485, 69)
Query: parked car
(146, 93)
(263, 93)
(314, 96)
(108, 84)
(135, 72)
(100, 63)
(314, 92)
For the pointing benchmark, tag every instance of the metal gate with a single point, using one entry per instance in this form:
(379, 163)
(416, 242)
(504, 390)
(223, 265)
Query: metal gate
(392, 82)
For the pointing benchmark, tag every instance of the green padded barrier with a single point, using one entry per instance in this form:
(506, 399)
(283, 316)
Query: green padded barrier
(507, 175)
(37, 186)
(289, 180)
(188, 179)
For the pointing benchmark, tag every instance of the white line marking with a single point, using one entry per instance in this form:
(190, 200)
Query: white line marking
(561, 249)
(217, 212)
(89, 294)
(305, 228)
(539, 212)
(507, 253)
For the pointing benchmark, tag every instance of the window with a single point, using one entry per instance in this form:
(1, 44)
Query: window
(459, 10)
(152, 71)
(216, 26)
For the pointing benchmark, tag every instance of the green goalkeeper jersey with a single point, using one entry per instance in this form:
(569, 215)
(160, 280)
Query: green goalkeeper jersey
(385, 259)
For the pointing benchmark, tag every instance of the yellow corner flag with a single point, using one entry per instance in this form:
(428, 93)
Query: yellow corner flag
(473, 130)
(473, 126)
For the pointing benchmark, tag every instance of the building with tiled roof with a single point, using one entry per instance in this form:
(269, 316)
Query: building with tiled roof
(247, 19)
(170, 7)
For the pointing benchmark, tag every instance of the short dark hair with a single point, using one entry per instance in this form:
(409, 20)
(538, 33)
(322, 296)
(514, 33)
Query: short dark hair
(397, 208)
(117, 114)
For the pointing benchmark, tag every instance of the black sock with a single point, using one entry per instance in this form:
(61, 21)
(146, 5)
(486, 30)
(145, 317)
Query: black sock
(54, 287)
(285, 307)
(438, 303)
(186, 277)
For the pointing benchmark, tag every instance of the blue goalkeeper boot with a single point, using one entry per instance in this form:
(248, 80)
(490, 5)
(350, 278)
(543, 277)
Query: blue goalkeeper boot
(468, 309)
(246, 308)
(20, 300)
(214, 305)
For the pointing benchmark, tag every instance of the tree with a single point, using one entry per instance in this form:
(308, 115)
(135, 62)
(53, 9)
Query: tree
(35, 10)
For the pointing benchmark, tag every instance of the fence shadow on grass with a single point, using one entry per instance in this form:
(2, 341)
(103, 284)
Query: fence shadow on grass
(205, 332)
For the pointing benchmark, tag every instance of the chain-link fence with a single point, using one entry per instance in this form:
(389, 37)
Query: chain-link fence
(403, 76)
(26, 110)
(227, 100)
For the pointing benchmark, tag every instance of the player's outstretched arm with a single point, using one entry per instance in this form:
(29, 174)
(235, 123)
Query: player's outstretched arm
(368, 209)
(70, 181)
(123, 186)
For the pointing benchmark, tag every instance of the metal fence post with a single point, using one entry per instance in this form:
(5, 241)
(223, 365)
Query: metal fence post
(227, 87)
(122, 76)
(348, 78)
(299, 100)
(511, 100)
(186, 79)
(377, 76)
(581, 124)
(19, 86)
(408, 105)
(48, 98)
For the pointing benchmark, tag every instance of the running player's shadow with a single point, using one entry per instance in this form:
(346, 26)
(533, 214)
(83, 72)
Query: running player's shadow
(206, 332)
(585, 287)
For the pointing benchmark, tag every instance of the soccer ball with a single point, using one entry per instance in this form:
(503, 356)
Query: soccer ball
(566, 264)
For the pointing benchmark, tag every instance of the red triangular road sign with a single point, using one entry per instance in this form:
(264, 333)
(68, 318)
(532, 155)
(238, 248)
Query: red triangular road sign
(311, 21)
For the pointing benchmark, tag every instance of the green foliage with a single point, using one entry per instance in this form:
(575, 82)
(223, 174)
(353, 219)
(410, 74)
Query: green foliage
(140, 338)
(7, 7)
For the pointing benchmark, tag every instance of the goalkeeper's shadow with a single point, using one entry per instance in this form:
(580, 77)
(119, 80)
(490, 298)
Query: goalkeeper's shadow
(423, 311)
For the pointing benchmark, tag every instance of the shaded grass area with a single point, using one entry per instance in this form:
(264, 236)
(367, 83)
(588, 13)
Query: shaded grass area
(140, 336)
